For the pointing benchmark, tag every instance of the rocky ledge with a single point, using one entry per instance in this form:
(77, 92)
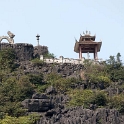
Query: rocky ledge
(52, 108)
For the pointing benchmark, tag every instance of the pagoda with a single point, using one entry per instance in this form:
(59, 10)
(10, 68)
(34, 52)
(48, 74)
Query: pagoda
(87, 44)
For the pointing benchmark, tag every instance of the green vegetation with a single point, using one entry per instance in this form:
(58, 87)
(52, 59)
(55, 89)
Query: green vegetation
(80, 97)
(97, 74)
(31, 119)
(115, 68)
(117, 102)
(7, 58)
(86, 97)
(100, 98)
(60, 83)
(108, 73)
(15, 86)
(36, 79)
(12, 92)
(49, 55)
(37, 62)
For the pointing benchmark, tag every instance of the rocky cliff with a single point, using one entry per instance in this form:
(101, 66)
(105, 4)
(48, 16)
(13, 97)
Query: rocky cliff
(24, 51)
(52, 109)
(52, 106)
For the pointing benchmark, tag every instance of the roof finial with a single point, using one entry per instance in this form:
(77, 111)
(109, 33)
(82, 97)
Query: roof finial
(86, 32)
(89, 32)
(75, 39)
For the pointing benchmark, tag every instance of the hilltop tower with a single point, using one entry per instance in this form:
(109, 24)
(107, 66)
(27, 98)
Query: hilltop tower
(87, 44)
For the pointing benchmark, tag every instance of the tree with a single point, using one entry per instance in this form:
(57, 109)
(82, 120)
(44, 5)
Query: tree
(114, 68)
(7, 58)
(118, 57)
(12, 92)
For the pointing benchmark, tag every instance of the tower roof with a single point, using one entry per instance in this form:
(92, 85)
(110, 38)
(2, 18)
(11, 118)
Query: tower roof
(87, 37)
(87, 42)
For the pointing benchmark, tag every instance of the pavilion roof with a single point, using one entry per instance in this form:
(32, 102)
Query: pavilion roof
(90, 43)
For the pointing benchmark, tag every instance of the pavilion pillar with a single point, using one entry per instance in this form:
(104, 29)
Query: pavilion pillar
(95, 53)
(80, 52)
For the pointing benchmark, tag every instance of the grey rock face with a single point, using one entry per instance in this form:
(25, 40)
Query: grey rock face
(38, 103)
(40, 50)
(50, 90)
(79, 115)
(54, 111)
(66, 70)
(24, 51)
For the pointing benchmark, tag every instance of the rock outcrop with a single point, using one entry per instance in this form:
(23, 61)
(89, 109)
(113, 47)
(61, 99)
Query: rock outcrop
(24, 51)
(66, 69)
(52, 108)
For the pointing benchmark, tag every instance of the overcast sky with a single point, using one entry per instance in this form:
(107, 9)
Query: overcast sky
(58, 22)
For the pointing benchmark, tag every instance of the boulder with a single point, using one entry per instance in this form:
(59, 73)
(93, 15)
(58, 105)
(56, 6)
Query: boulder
(40, 96)
(50, 90)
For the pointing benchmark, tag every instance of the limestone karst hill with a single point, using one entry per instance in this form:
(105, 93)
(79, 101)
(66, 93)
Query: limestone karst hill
(58, 93)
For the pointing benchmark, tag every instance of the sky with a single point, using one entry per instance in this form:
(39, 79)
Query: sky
(59, 22)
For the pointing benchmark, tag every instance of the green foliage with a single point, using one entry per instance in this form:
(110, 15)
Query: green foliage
(49, 79)
(117, 101)
(57, 81)
(86, 97)
(115, 62)
(7, 57)
(97, 74)
(25, 88)
(12, 92)
(87, 63)
(37, 62)
(2, 76)
(52, 77)
(80, 97)
(100, 99)
(36, 79)
(60, 83)
(49, 55)
(12, 108)
(115, 68)
(14, 89)
(30, 119)
(42, 88)
(112, 70)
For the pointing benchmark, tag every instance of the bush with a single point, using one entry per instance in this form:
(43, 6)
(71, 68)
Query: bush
(37, 62)
(52, 77)
(30, 119)
(49, 55)
(12, 92)
(42, 88)
(117, 102)
(115, 68)
(97, 74)
(36, 79)
(60, 83)
(80, 97)
(100, 99)
(7, 58)
(87, 97)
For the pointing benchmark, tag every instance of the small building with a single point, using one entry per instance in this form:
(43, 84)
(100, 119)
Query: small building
(87, 44)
